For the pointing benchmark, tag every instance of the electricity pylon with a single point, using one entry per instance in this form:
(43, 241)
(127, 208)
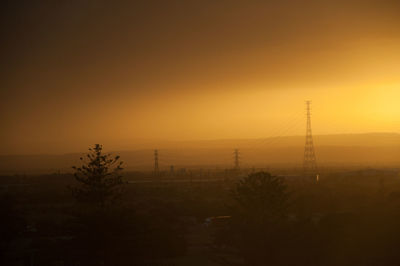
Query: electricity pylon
(156, 170)
(310, 161)
(236, 159)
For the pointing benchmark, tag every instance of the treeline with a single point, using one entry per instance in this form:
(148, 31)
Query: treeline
(95, 218)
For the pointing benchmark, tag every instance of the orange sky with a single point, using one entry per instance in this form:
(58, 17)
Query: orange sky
(91, 71)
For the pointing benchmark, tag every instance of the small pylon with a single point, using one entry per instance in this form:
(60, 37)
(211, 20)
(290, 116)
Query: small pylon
(236, 159)
(310, 161)
(156, 170)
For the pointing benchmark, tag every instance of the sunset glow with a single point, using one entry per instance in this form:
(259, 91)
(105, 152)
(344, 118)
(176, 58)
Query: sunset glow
(213, 71)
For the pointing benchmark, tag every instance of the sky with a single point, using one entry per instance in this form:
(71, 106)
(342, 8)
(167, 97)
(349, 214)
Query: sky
(122, 73)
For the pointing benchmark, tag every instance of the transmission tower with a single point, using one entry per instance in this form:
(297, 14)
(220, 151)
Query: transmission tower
(156, 170)
(236, 158)
(310, 161)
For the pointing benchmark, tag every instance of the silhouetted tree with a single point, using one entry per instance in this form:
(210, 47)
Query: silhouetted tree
(261, 198)
(116, 234)
(259, 226)
(99, 177)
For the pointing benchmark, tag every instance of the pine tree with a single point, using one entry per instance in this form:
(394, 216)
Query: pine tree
(99, 177)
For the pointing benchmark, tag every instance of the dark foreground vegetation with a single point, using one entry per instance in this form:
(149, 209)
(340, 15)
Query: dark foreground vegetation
(102, 216)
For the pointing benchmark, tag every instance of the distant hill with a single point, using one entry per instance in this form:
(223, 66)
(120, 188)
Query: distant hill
(373, 149)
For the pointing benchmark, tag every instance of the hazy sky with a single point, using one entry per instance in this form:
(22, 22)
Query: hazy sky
(120, 72)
